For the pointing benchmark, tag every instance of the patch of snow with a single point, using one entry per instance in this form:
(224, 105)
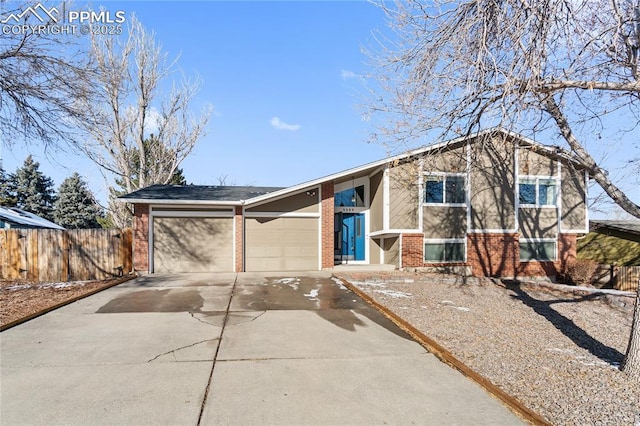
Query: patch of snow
(287, 280)
(313, 294)
(368, 283)
(18, 287)
(339, 282)
(447, 302)
(394, 294)
(462, 308)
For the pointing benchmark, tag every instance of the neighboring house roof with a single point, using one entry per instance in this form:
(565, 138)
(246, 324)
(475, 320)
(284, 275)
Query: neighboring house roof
(223, 194)
(630, 226)
(24, 219)
(143, 197)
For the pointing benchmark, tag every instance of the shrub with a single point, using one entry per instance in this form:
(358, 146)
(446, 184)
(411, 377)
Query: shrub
(581, 271)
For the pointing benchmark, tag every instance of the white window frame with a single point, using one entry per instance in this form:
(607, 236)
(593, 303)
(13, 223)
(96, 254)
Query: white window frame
(537, 179)
(443, 175)
(444, 241)
(539, 240)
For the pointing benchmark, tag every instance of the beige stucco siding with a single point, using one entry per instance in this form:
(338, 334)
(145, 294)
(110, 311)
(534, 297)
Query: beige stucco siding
(573, 199)
(492, 185)
(299, 203)
(403, 196)
(374, 251)
(192, 244)
(534, 164)
(444, 222)
(376, 202)
(391, 251)
(538, 223)
(281, 244)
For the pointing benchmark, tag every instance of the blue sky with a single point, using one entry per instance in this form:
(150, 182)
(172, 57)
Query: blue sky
(281, 77)
(283, 81)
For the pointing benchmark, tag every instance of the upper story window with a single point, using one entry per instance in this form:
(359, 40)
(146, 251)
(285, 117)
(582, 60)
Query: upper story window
(352, 197)
(444, 189)
(538, 191)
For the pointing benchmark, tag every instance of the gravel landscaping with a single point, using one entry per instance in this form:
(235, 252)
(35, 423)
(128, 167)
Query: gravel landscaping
(21, 299)
(557, 352)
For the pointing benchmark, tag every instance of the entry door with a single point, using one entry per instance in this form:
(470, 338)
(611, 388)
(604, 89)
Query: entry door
(352, 238)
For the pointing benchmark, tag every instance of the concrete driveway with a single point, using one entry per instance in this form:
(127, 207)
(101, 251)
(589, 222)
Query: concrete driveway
(229, 349)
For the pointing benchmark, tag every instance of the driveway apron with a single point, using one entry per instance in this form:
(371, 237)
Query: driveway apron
(229, 349)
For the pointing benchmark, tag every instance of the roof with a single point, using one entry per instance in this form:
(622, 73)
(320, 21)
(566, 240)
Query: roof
(17, 216)
(630, 226)
(250, 197)
(174, 193)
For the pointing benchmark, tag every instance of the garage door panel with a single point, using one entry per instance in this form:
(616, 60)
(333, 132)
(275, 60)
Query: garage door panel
(192, 244)
(281, 244)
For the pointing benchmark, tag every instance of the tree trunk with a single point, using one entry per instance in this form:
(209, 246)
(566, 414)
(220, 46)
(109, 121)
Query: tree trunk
(631, 363)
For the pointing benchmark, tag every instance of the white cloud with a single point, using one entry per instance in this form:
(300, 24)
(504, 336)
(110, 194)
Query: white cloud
(345, 74)
(276, 123)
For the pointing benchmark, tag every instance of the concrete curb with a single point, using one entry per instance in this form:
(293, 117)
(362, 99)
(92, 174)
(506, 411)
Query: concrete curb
(19, 321)
(448, 358)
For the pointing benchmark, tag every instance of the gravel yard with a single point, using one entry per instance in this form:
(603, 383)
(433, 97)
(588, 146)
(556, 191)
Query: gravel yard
(21, 299)
(557, 352)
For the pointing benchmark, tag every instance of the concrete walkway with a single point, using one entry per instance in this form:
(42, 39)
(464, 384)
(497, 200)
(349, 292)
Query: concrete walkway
(229, 349)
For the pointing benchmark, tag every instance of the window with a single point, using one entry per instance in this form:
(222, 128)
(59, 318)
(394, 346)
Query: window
(445, 251)
(535, 191)
(537, 250)
(448, 189)
(352, 197)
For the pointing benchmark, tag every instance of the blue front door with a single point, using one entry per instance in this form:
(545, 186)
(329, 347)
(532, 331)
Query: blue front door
(351, 236)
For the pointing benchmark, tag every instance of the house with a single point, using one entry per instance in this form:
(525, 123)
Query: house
(15, 218)
(612, 242)
(491, 204)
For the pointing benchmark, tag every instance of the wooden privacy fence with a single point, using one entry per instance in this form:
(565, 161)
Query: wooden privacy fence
(626, 277)
(56, 255)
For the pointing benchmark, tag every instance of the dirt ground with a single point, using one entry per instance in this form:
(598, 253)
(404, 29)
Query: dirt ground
(21, 299)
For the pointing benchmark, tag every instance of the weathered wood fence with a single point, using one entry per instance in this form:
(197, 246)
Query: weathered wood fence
(623, 278)
(55, 255)
(626, 277)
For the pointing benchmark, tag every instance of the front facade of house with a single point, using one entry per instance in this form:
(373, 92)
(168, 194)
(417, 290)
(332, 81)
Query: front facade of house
(493, 204)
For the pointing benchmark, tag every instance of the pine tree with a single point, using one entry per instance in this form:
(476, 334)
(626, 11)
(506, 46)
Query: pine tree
(34, 191)
(75, 206)
(7, 189)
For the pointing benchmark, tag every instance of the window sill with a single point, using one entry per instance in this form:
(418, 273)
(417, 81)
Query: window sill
(444, 205)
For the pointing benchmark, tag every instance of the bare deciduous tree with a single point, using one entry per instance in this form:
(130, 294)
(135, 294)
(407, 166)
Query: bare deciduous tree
(130, 107)
(556, 67)
(43, 80)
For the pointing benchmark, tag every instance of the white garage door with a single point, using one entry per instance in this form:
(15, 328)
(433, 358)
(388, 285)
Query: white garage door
(282, 244)
(192, 244)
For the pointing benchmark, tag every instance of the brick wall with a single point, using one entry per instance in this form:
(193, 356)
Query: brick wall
(239, 239)
(493, 255)
(412, 250)
(498, 255)
(141, 237)
(327, 224)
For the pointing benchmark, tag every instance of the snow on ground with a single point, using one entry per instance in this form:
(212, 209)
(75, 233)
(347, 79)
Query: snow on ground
(47, 285)
(291, 282)
(312, 295)
(394, 294)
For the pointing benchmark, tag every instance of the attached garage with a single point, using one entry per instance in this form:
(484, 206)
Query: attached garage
(282, 244)
(192, 244)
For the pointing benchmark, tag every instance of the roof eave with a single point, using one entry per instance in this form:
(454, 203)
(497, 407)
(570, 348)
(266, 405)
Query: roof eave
(186, 201)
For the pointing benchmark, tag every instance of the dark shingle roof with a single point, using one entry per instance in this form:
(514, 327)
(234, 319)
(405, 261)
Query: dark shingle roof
(198, 193)
(631, 226)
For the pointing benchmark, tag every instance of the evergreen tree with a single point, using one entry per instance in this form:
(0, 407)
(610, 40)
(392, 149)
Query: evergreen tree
(34, 191)
(7, 189)
(75, 206)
